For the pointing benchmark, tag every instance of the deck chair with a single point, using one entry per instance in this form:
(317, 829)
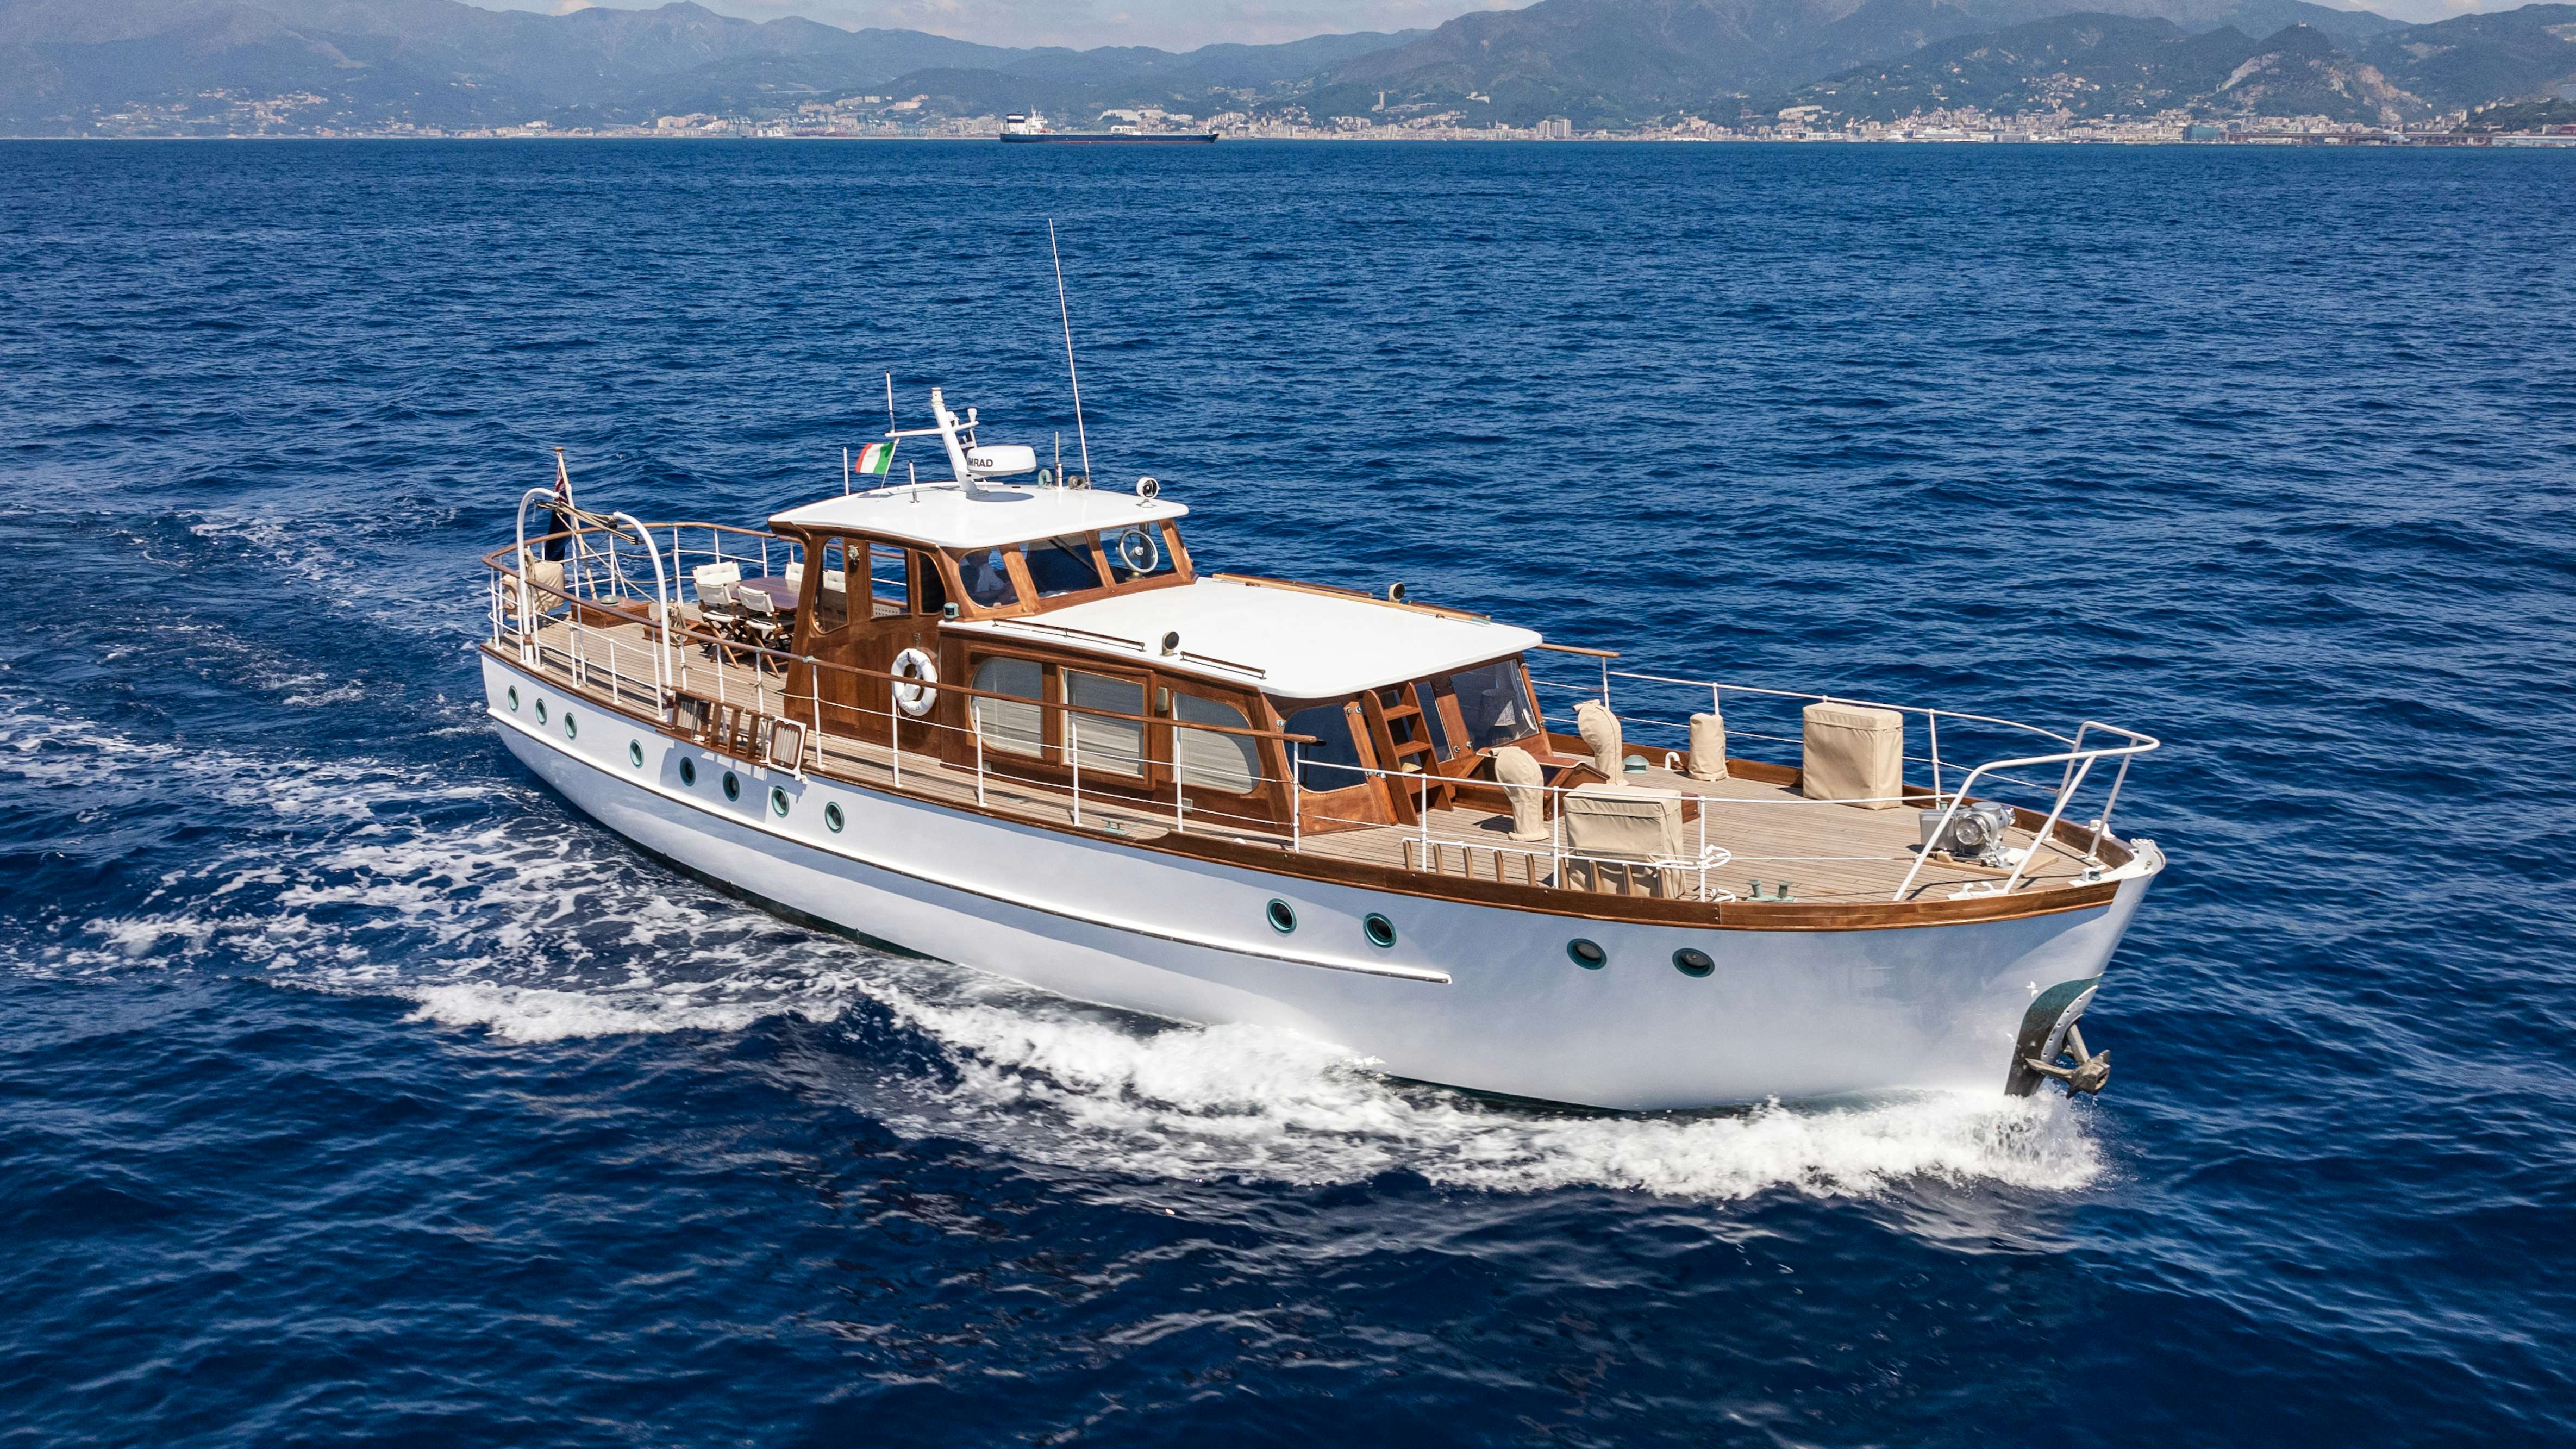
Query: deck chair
(716, 607)
(760, 621)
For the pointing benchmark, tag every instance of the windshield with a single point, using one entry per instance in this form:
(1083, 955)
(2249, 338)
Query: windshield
(988, 583)
(1061, 565)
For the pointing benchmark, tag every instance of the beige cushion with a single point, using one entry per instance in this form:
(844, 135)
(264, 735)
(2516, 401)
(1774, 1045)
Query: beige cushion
(1707, 747)
(1522, 784)
(1854, 753)
(1623, 822)
(545, 583)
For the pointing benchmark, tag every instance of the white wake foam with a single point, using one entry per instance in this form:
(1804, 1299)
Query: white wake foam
(1076, 1088)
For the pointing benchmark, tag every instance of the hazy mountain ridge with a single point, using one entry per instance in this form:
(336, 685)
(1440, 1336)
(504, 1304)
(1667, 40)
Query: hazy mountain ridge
(2109, 65)
(367, 64)
(446, 63)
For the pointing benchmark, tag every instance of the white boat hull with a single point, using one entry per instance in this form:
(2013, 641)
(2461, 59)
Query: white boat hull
(1470, 995)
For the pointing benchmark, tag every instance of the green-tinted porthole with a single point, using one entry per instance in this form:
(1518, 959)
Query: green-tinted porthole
(541, 711)
(635, 753)
(1381, 931)
(571, 730)
(514, 699)
(733, 786)
(1692, 961)
(777, 800)
(1283, 917)
(832, 817)
(1586, 954)
(688, 771)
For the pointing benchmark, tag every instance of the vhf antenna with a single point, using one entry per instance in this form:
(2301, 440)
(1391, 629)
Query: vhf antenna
(1066, 315)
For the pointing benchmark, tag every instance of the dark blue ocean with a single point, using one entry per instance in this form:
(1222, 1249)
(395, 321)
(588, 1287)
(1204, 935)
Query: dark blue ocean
(352, 1089)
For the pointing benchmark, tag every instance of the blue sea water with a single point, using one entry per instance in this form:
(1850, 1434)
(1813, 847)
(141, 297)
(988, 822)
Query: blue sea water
(356, 1090)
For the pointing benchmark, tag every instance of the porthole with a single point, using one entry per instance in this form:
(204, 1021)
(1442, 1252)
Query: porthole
(733, 786)
(541, 711)
(572, 731)
(1381, 931)
(1283, 917)
(1586, 954)
(635, 753)
(1692, 961)
(832, 817)
(688, 771)
(777, 800)
(514, 699)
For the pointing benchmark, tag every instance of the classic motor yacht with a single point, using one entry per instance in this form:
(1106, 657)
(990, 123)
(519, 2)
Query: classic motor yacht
(1010, 724)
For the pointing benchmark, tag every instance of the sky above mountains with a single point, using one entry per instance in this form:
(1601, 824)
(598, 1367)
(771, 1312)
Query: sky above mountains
(1187, 24)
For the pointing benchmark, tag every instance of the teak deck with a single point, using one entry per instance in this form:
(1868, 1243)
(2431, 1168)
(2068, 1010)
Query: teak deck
(1838, 861)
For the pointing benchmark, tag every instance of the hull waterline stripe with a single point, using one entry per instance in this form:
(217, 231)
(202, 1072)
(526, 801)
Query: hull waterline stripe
(1398, 973)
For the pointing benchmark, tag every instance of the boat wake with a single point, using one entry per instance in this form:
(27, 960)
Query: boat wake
(490, 909)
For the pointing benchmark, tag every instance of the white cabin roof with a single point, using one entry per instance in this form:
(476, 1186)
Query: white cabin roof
(1286, 642)
(947, 515)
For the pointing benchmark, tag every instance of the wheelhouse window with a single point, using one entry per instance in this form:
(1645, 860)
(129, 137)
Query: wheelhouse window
(1136, 553)
(987, 578)
(832, 593)
(1494, 702)
(1206, 758)
(1018, 724)
(889, 581)
(1061, 565)
(1333, 763)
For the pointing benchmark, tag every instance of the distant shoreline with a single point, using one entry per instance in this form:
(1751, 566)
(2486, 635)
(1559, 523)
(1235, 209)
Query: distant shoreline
(2434, 141)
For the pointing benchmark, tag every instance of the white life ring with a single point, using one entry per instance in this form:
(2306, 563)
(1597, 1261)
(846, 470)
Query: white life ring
(915, 677)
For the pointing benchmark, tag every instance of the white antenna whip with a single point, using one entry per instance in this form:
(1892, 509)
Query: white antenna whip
(1066, 315)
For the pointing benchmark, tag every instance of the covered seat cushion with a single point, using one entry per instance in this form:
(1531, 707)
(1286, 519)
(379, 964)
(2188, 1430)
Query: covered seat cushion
(1853, 753)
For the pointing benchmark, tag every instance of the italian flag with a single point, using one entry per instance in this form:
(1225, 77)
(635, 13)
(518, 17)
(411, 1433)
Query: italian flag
(877, 458)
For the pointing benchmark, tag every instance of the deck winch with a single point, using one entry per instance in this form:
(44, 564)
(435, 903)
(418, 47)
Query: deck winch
(1975, 833)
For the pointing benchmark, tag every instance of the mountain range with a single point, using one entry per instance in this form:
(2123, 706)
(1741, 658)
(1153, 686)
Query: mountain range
(72, 67)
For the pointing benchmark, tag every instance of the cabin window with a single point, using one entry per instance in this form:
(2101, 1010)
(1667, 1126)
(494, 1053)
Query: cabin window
(1010, 724)
(889, 581)
(1061, 565)
(1494, 701)
(988, 582)
(1113, 746)
(1332, 764)
(1219, 762)
(832, 593)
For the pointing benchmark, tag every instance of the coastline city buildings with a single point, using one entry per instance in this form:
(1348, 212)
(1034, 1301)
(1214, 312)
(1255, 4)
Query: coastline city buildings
(218, 114)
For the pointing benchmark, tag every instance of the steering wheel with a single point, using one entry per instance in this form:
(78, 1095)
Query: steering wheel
(1138, 551)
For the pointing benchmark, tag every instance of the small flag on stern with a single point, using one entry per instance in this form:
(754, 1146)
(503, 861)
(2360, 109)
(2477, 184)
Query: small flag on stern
(877, 458)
